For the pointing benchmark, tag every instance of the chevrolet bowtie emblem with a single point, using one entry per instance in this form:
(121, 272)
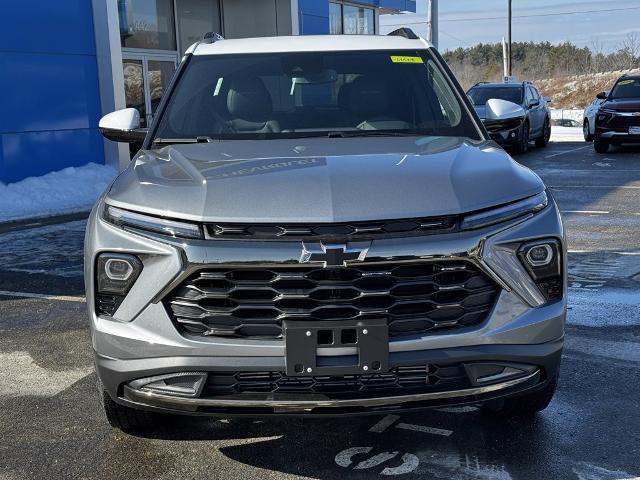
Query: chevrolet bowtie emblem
(332, 255)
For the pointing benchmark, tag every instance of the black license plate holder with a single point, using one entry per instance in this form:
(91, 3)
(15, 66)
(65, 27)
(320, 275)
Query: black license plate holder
(370, 338)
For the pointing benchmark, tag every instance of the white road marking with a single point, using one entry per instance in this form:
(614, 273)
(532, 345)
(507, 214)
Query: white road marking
(564, 152)
(385, 423)
(602, 164)
(457, 409)
(60, 298)
(375, 460)
(588, 471)
(344, 457)
(595, 212)
(409, 464)
(423, 429)
(21, 377)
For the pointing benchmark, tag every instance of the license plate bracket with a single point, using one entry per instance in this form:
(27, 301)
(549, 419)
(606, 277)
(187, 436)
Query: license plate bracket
(370, 338)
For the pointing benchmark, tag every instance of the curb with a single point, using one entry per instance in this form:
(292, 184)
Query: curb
(35, 222)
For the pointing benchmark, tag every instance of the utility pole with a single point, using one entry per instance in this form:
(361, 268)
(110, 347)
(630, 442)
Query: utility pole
(509, 35)
(432, 23)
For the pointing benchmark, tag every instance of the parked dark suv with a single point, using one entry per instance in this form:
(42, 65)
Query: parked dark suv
(534, 124)
(618, 120)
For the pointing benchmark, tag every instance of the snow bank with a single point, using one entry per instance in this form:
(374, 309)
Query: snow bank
(66, 191)
(567, 134)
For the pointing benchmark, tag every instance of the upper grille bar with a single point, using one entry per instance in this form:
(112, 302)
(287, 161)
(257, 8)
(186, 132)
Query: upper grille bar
(413, 226)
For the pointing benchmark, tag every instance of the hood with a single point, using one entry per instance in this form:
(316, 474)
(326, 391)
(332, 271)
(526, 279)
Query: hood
(322, 179)
(622, 105)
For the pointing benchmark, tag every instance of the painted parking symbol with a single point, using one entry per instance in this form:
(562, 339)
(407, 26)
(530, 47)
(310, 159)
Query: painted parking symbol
(345, 459)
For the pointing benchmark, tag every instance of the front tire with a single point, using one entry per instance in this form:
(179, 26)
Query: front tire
(543, 141)
(125, 418)
(586, 131)
(524, 406)
(600, 146)
(523, 145)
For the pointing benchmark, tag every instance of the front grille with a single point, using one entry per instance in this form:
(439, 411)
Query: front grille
(403, 380)
(327, 231)
(623, 123)
(414, 296)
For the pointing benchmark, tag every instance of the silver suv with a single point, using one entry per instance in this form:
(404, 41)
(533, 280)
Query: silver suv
(321, 225)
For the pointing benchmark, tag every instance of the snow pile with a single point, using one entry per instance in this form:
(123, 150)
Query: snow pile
(66, 191)
(567, 134)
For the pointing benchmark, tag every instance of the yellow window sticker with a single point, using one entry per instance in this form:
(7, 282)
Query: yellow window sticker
(406, 59)
(626, 82)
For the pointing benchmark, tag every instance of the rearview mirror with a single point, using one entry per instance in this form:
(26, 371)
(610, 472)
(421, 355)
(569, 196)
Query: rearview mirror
(497, 109)
(602, 96)
(122, 126)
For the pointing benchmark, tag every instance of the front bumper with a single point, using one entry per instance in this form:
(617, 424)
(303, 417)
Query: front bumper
(617, 138)
(141, 340)
(539, 364)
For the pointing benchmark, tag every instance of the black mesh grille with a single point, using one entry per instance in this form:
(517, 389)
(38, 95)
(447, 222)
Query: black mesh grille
(412, 226)
(403, 380)
(415, 297)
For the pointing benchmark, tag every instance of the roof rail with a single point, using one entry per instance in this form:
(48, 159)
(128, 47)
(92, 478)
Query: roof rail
(404, 32)
(212, 37)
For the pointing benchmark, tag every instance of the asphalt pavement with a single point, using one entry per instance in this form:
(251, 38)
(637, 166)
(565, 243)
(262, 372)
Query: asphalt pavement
(51, 425)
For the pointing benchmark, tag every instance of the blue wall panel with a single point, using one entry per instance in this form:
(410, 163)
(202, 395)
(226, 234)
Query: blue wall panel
(64, 26)
(36, 153)
(49, 91)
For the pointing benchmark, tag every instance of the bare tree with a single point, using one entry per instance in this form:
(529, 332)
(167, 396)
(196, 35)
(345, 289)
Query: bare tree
(631, 49)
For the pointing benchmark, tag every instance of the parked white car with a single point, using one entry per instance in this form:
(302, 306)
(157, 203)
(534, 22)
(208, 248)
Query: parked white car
(589, 122)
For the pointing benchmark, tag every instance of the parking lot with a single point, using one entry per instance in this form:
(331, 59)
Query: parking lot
(52, 425)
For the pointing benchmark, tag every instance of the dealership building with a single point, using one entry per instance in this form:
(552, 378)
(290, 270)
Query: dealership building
(66, 63)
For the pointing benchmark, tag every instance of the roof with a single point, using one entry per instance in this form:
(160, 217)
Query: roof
(498, 84)
(308, 43)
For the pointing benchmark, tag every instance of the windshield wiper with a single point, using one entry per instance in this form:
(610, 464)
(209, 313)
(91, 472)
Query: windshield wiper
(168, 141)
(373, 133)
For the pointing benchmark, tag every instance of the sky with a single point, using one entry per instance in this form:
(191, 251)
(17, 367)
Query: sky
(463, 22)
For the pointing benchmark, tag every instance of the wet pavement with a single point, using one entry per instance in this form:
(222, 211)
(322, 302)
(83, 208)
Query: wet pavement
(52, 425)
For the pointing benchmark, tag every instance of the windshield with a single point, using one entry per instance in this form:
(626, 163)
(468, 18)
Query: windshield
(626, 88)
(290, 95)
(480, 95)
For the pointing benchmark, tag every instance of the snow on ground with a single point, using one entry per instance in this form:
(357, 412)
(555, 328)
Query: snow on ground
(567, 134)
(73, 189)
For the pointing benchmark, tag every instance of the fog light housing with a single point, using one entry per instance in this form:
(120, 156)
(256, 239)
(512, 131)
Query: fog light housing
(542, 259)
(115, 275)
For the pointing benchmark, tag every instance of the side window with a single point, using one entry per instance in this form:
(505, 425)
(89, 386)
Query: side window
(448, 101)
(528, 95)
(536, 94)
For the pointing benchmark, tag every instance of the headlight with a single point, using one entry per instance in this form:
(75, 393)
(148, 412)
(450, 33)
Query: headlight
(115, 275)
(132, 220)
(506, 212)
(542, 259)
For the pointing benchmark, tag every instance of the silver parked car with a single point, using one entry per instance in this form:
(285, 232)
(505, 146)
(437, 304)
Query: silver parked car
(321, 226)
(589, 121)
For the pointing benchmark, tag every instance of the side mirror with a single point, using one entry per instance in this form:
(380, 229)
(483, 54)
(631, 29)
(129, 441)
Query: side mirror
(547, 99)
(498, 110)
(602, 96)
(122, 126)
(534, 103)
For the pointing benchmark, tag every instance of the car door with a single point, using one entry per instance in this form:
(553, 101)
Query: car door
(536, 111)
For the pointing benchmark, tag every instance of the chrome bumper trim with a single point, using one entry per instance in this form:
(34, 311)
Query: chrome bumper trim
(191, 404)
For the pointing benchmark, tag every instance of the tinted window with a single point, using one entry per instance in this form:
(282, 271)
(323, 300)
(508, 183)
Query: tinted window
(313, 94)
(480, 95)
(626, 88)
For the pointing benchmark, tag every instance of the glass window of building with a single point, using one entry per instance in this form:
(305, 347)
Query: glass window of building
(147, 24)
(358, 20)
(195, 18)
(335, 18)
